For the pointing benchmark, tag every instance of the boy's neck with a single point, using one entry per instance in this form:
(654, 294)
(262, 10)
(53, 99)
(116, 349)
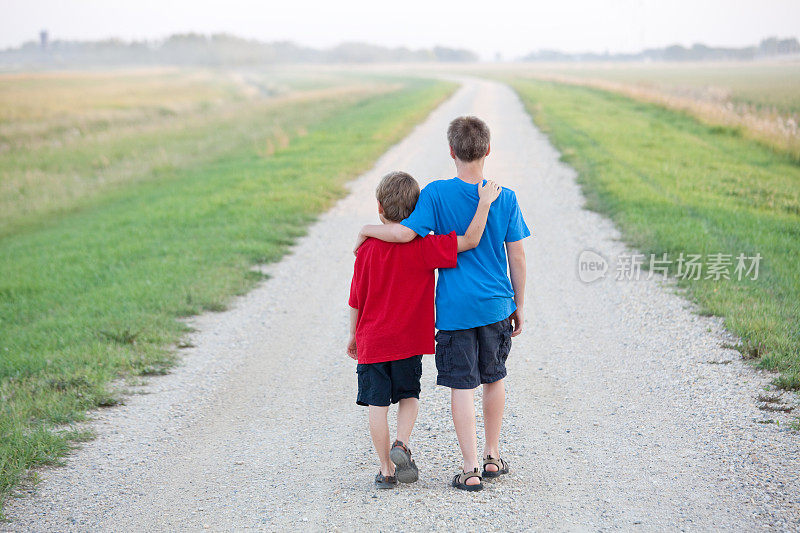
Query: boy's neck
(471, 172)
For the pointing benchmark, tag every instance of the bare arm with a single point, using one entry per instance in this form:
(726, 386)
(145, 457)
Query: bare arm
(396, 232)
(392, 232)
(351, 344)
(486, 195)
(518, 271)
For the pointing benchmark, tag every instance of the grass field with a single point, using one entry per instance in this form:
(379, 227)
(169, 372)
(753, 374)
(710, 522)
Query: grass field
(176, 184)
(766, 85)
(673, 184)
(67, 138)
(759, 99)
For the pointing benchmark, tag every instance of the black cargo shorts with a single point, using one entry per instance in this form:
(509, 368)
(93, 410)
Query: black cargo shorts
(466, 358)
(389, 382)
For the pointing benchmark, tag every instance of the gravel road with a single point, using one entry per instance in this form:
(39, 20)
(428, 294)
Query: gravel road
(624, 410)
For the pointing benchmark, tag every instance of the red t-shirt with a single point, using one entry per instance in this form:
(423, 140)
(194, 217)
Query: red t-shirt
(392, 289)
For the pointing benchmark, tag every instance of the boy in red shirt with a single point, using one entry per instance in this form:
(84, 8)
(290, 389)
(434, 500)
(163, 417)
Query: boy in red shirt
(392, 318)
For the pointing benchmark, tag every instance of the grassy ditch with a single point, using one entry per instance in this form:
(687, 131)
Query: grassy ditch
(93, 286)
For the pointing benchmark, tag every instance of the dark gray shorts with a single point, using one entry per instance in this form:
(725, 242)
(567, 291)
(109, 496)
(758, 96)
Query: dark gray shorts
(466, 358)
(389, 382)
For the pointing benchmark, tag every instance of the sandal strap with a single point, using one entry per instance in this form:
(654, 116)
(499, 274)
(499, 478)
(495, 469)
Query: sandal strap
(464, 476)
(400, 444)
(498, 462)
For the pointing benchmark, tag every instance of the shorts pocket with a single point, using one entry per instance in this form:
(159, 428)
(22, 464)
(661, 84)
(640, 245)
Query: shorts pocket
(444, 352)
(505, 345)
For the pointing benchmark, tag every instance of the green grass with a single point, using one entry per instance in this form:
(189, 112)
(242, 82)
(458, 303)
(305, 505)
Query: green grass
(94, 292)
(761, 100)
(70, 138)
(674, 185)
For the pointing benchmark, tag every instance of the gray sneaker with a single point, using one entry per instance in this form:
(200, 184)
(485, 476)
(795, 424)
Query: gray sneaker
(406, 471)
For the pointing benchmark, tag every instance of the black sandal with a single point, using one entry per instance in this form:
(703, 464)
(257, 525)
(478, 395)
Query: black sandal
(460, 481)
(385, 482)
(502, 467)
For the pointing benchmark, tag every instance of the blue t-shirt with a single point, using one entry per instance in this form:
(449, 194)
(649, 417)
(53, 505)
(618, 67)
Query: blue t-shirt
(478, 291)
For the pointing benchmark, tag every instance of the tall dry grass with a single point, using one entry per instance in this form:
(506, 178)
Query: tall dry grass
(712, 106)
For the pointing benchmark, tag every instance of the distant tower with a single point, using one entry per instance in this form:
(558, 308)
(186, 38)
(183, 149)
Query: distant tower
(43, 39)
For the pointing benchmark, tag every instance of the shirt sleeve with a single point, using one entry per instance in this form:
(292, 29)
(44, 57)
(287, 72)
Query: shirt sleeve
(439, 251)
(353, 301)
(421, 219)
(517, 229)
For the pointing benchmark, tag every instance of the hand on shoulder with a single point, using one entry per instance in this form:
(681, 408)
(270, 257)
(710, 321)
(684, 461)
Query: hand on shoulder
(489, 192)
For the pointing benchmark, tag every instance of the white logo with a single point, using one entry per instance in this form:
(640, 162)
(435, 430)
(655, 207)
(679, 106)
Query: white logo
(591, 266)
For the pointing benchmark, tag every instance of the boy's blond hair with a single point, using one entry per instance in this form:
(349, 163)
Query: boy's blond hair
(397, 193)
(469, 138)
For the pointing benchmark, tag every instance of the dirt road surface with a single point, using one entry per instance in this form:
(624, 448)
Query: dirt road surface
(624, 410)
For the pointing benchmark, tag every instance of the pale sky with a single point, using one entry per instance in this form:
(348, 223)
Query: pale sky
(512, 28)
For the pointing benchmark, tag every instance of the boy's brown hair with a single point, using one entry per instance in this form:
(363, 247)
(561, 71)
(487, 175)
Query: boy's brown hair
(469, 138)
(397, 193)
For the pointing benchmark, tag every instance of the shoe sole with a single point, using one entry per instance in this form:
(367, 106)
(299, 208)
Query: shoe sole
(469, 488)
(405, 471)
(494, 475)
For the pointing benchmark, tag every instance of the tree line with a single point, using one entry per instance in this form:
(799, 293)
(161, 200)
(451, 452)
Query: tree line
(767, 48)
(213, 50)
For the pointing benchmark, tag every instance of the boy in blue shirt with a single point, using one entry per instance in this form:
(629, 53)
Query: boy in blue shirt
(478, 308)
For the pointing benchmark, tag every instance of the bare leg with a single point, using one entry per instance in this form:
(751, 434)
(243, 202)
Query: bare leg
(494, 401)
(379, 429)
(406, 416)
(463, 407)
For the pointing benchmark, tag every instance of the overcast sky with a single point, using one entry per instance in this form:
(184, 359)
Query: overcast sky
(512, 28)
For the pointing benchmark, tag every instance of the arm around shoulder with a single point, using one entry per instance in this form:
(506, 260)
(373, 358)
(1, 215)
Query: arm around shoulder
(392, 232)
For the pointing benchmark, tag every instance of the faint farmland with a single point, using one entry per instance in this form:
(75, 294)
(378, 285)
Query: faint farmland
(67, 138)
